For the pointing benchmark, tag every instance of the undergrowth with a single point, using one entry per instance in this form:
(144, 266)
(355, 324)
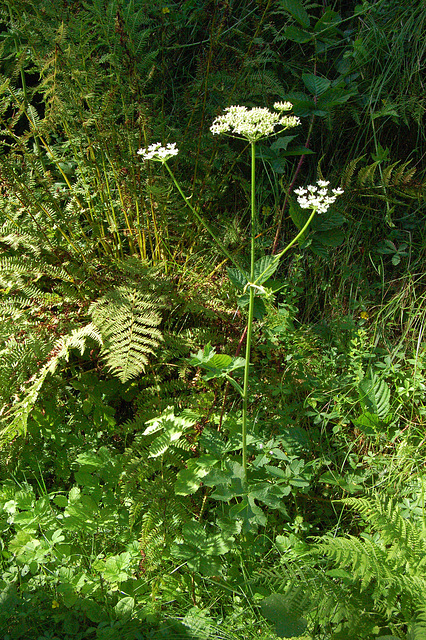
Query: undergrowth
(124, 506)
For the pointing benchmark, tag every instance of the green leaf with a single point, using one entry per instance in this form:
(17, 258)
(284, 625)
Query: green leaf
(60, 501)
(297, 35)
(282, 143)
(116, 568)
(124, 607)
(299, 217)
(375, 395)
(328, 21)
(265, 268)
(189, 480)
(92, 610)
(237, 278)
(299, 150)
(275, 608)
(259, 306)
(296, 10)
(315, 84)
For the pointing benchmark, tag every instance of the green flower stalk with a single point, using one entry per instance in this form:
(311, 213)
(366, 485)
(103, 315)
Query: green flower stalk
(252, 125)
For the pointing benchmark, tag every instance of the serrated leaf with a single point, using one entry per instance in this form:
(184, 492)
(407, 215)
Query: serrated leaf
(189, 480)
(299, 150)
(296, 9)
(237, 277)
(299, 217)
(265, 268)
(60, 501)
(328, 20)
(315, 84)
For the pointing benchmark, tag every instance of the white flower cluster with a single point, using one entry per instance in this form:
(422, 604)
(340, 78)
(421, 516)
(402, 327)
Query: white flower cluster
(159, 153)
(318, 196)
(283, 106)
(251, 124)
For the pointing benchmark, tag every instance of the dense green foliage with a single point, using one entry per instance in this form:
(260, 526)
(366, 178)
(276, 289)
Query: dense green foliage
(124, 506)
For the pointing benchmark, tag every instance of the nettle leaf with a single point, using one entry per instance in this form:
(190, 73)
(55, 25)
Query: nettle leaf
(296, 10)
(315, 84)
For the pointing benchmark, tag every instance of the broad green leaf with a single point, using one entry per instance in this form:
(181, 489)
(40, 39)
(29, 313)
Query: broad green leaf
(249, 513)
(124, 607)
(116, 568)
(315, 84)
(375, 395)
(189, 480)
(296, 9)
(333, 97)
(92, 610)
(259, 305)
(299, 217)
(265, 268)
(60, 501)
(237, 278)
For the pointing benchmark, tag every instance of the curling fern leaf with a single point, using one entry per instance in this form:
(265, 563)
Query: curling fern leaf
(128, 321)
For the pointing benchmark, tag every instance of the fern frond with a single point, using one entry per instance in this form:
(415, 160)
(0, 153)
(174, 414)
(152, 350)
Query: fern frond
(128, 321)
(20, 411)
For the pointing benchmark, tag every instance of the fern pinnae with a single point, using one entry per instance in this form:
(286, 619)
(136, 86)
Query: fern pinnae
(128, 321)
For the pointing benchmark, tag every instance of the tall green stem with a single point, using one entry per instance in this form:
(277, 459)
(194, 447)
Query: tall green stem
(251, 310)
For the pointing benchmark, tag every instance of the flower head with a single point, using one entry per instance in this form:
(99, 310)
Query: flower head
(283, 106)
(159, 153)
(317, 196)
(251, 124)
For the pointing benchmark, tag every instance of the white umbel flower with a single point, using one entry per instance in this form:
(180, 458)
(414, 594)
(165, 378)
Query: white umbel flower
(251, 124)
(283, 106)
(158, 153)
(317, 196)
